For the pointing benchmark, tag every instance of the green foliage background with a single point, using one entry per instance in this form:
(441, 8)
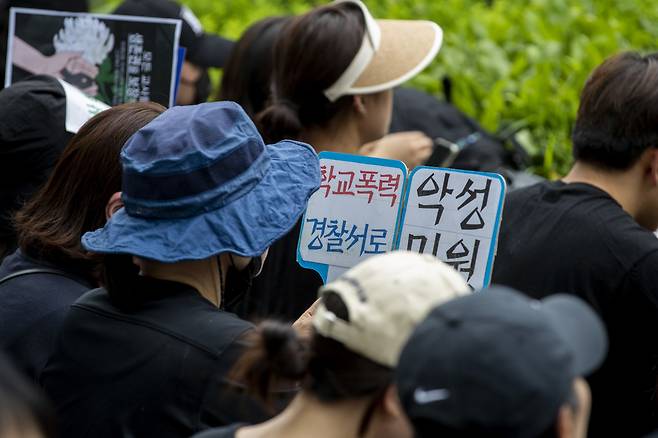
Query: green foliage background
(514, 63)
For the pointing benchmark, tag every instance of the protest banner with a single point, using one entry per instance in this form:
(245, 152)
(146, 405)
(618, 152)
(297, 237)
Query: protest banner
(367, 206)
(115, 59)
(353, 215)
(454, 215)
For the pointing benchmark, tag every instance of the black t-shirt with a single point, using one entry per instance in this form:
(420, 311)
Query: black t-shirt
(220, 432)
(575, 238)
(160, 370)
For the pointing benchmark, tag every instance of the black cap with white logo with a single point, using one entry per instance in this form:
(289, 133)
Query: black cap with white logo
(203, 49)
(497, 364)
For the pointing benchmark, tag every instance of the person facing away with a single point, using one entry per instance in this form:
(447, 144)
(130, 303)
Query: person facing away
(247, 80)
(590, 234)
(334, 70)
(149, 354)
(346, 371)
(50, 270)
(33, 134)
(497, 364)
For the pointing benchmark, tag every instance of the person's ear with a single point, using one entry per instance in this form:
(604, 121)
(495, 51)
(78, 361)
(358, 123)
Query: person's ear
(237, 261)
(653, 165)
(113, 205)
(359, 104)
(566, 422)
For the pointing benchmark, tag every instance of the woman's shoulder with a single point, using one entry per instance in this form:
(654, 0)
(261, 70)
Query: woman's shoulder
(25, 268)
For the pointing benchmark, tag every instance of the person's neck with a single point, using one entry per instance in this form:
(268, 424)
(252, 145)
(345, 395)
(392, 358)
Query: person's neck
(336, 136)
(622, 186)
(307, 416)
(202, 275)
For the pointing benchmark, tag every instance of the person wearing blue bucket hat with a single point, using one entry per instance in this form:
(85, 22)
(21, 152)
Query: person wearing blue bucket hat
(149, 354)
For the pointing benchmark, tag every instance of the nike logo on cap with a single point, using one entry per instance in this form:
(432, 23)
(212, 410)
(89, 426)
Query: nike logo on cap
(422, 397)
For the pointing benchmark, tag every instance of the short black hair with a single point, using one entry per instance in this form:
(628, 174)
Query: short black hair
(618, 115)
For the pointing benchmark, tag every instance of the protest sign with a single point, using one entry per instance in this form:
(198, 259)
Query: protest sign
(454, 215)
(361, 209)
(115, 59)
(79, 107)
(353, 215)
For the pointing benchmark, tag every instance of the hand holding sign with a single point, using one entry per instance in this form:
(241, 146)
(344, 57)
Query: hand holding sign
(411, 147)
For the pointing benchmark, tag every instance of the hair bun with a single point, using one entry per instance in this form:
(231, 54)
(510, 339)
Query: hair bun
(276, 354)
(284, 349)
(279, 121)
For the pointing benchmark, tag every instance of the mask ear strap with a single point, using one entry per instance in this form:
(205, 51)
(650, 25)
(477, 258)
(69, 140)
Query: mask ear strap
(258, 268)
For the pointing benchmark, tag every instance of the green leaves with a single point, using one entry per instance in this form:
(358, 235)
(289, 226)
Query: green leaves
(511, 62)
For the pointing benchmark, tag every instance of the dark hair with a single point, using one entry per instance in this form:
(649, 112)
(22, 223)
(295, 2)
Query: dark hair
(86, 175)
(618, 110)
(22, 406)
(248, 71)
(327, 369)
(312, 52)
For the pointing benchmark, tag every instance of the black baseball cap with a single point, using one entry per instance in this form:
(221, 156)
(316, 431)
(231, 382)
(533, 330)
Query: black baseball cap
(497, 363)
(203, 49)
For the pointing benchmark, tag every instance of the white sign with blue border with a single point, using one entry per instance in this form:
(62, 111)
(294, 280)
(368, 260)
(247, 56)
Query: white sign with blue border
(354, 215)
(454, 215)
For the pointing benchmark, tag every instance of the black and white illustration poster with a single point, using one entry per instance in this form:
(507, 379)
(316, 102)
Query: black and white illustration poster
(115, 59)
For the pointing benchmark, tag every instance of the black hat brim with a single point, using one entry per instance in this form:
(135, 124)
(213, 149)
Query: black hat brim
(580, 328)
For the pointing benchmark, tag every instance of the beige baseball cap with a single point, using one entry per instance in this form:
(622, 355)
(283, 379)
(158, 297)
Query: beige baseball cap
(392, 52)
(386, 297)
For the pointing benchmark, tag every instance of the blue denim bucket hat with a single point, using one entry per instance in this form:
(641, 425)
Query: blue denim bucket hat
(199, 181)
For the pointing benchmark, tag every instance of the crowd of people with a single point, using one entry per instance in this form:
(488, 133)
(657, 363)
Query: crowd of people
(149, 285)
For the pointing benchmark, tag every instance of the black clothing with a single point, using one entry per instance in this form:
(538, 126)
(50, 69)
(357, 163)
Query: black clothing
(33, 308)
(283, 289)
(575, 238)
(32, 137)
(159, 370)
(414, 110)
(220, 432)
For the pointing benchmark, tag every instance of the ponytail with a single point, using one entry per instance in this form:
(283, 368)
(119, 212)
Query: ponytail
(279, 121)
(277, 354)
(312, 51)
(325, 367)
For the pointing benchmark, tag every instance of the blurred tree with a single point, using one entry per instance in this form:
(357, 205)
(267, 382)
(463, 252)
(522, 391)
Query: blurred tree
(513, 64)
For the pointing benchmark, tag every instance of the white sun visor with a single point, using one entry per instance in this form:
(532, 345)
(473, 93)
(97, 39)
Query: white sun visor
(392, 52)
(369, 45)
